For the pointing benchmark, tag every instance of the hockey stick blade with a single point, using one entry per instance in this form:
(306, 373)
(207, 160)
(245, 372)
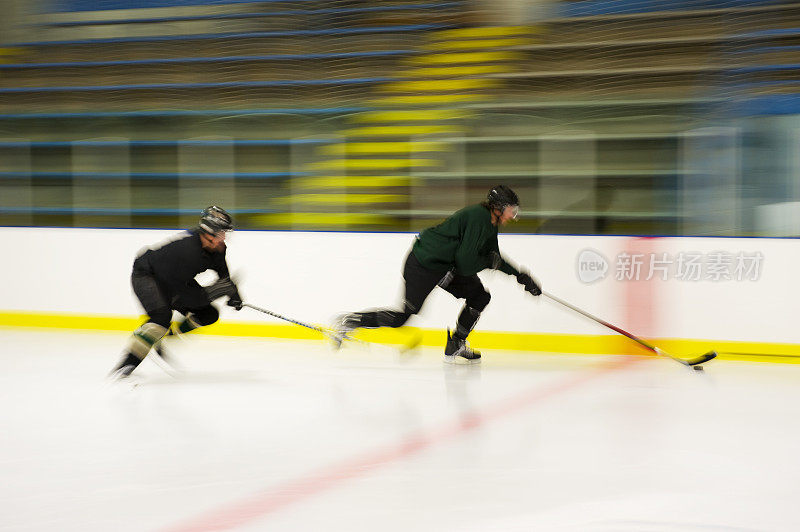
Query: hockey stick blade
(701, 359)
(696, 361)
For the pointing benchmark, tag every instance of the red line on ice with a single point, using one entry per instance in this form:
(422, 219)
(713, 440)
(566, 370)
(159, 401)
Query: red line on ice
(274, 499)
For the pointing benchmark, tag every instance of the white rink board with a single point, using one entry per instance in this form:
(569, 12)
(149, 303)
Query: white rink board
(313, 276)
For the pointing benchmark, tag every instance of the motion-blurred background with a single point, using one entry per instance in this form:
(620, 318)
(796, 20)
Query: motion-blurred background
(607, 116)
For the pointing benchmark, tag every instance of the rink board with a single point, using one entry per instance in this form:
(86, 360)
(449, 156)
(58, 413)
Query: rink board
(692, 294)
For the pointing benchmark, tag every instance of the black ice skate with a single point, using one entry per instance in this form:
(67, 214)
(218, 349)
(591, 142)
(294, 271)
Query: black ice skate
(122, 372)
(458, 352)
(124, 368)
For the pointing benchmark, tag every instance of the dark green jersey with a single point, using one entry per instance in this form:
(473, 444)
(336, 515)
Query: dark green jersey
(465, 241)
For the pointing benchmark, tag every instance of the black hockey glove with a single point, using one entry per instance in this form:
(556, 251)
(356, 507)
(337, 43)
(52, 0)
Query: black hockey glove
(220, 288)
(529, 283)
(225, 287)
(235, 302)
(234, 299)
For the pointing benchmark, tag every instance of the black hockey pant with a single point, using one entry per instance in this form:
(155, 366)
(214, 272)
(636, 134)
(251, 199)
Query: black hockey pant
(158, 307)
(419, 283)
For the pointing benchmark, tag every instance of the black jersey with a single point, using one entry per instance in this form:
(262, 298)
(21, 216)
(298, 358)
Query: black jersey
(175, 264)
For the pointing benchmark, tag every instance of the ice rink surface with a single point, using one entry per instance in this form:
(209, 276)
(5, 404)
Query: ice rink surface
(256, 434)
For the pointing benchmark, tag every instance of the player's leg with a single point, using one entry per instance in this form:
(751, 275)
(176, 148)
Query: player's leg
(419, 282)
(159, 315)
(477, 298)
(197, 317)
(194, 302)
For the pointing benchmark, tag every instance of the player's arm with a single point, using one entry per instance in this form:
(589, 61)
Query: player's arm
(497, 261)
(523, 277)
(224, 285)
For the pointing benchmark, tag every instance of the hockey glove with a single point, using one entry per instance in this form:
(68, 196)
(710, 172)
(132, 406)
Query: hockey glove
(235, 302)
(220, 288)
(529, 283)
(225, 287)
(234, 299)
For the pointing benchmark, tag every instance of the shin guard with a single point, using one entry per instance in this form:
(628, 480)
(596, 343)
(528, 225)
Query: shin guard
(466, 322)
(187, 325)
(143, 338)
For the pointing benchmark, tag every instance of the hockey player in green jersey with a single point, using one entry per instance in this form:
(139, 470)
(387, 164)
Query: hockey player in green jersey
(450, 255)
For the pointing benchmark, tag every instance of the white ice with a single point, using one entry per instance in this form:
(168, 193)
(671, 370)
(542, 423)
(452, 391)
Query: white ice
(257, 434)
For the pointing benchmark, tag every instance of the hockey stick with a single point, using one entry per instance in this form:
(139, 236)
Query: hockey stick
(325, 332)
(336, 338)
(696, 361)
(165, 366)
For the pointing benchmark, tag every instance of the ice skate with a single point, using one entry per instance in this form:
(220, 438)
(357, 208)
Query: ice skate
(458, 352)
(122, 373)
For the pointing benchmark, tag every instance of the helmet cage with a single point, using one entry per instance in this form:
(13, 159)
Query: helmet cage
(215, 220)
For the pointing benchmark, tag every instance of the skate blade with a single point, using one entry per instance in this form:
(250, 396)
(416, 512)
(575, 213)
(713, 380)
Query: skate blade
(125, 383)
(460, 361)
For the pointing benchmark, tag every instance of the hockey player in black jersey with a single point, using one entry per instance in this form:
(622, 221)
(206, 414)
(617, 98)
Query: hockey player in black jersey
(450, 255)
(163, 280)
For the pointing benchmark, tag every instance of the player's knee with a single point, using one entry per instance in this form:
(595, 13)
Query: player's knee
(143, 338)
(205, 316)
(409, 309)
(479, 301)
(401, 319)
(162, 317)
(392, 318)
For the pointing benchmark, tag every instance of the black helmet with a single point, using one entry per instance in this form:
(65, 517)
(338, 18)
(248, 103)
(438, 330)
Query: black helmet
(214, 220)
(501, 196)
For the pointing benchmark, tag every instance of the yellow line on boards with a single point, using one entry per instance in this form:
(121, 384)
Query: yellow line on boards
(512, 341)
